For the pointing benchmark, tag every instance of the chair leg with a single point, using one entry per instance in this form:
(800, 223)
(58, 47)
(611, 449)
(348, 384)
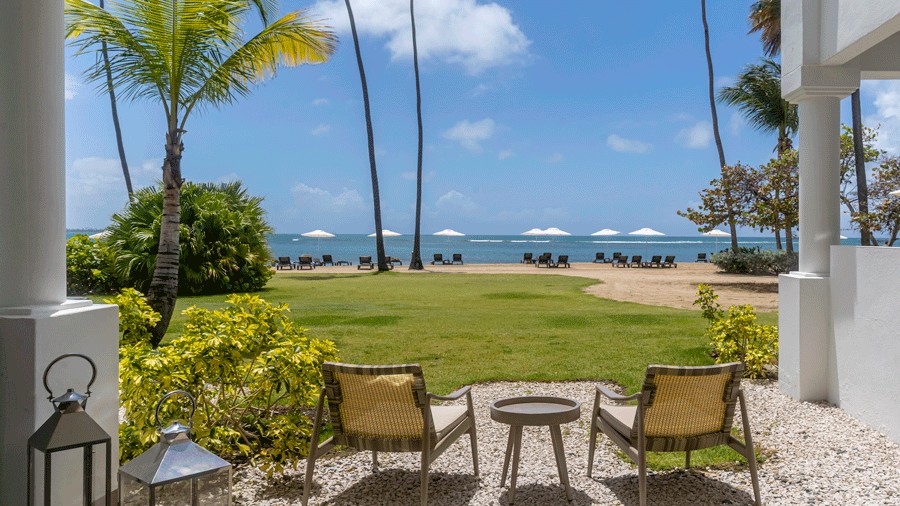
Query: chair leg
(308, 478)
(313, 448)
(374, 461)
(642, 476)
(424, 478)
(748, 445)
(592, 446)
(687, 459)
(472, 436)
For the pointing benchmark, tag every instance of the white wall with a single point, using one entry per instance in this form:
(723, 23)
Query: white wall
(864, 354)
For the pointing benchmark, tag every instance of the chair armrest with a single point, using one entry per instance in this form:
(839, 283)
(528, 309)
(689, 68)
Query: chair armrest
(609, 394)
(450, 397)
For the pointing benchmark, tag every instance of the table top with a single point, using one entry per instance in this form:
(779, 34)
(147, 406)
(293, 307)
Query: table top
(535, 411)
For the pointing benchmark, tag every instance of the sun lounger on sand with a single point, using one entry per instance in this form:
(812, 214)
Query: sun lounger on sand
(562, 261)
(392, 261)
(655, 261)
(635, 261)
(305, 262)
(284, 263)
(701, 257)
(457, 259)
(365, 263)
(545, 259)
(439, 260)
(527, 258)
(326, 259)
(670, 261)
(599, 258)
(620, 261)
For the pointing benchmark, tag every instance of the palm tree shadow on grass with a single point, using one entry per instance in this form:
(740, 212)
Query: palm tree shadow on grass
(678, 487)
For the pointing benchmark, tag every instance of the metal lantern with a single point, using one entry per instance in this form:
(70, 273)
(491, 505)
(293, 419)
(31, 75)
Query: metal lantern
(176, 471)
(69, 428)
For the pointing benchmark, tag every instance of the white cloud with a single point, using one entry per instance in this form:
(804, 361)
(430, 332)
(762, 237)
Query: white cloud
(231, 177)
(506, 153)
(556, 158)
(736, 123)
(95, 188)
(72, 86)
(623, 145)
(456, 201)
(323, 200)
(470, 134)
(475, 35)
(887, 113)
(697, 136)
(322, 129)
(320, 101)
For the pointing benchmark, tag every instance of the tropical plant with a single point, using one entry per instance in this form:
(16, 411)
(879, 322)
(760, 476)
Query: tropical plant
(253, 372)
(136, 317)
(765, 18)
(884, 215)
(376, 196)
(187, 55)
(775, 190)
(89, 267)
(851, 164)
(223, 245)
(415, 262)
(724, 194)
(730, 211)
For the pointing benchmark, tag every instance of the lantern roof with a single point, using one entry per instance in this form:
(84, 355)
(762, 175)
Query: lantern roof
(65, 430)
(168, 462)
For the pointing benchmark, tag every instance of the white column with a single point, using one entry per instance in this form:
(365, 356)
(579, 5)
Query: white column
(820, 212)
(37, 323)
(32, 154)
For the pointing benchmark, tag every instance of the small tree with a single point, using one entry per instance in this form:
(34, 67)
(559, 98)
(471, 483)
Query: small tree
(724, 193)
(850, 197)
(884, 212)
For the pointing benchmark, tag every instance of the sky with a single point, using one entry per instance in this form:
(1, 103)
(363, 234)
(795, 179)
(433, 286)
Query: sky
(533, 117)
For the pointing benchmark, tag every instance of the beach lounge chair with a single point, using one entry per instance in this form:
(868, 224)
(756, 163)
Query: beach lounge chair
(545, 259)
(620, 261)
(284, 263)
(457, 259)
(388, 409)
(701, 257)
(616, 256)
(392, 261)
(326, 260)
(365, 263)
(679, 409)
(305, 262)
(670, 261)
(599, 258)
(655, 261)
(527, 258)
(562, 261)
(439, 260)
(636, 261)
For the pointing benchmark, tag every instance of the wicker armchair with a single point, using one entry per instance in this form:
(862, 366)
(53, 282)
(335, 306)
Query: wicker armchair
(387, 408)
(679, 409)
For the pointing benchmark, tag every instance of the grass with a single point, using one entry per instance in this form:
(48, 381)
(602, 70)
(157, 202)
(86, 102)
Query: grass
(473, 328)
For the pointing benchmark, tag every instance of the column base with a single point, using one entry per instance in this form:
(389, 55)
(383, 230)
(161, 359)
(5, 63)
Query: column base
(30, 338)
(804, 334)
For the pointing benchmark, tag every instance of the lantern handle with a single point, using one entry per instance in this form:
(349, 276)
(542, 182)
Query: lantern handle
(172, 394)
(67, 355)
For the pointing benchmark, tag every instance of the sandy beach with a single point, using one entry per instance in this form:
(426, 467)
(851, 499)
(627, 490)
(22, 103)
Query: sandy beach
(658, 287)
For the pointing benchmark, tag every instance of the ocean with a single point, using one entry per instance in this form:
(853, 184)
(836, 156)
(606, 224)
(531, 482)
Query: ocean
(494, 249)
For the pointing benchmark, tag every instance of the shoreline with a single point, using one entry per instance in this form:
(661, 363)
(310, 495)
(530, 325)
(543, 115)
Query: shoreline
(669, 287)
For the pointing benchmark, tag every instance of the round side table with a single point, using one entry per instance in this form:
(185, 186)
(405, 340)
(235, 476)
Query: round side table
(534, 411)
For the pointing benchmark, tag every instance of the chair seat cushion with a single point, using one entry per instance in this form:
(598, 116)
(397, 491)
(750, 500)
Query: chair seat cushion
(621, 418)
(446, 418)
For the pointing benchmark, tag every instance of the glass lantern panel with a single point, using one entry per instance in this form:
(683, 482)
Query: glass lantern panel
(214, 489)
(132, 492)
(177, 493)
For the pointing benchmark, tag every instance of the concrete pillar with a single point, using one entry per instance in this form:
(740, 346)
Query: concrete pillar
(32, 155)
(820, 212)
(37, 323)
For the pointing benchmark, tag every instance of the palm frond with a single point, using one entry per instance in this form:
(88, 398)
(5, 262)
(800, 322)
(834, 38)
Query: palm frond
(757, 94)
(765, 17)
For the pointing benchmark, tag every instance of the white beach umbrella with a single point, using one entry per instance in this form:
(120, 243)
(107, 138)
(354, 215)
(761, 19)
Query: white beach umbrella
(100, 235)
(318, 234)
(606, 231)
(647, 232)
(447, 232)
(842, 237)
(555, 231)
(387, 233)
(717, 233)
(534, 231)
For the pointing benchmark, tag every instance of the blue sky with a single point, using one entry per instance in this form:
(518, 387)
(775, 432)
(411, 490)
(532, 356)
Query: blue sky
(533, 117)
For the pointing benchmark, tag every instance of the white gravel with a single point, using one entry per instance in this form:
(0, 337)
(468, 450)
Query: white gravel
(819, 455)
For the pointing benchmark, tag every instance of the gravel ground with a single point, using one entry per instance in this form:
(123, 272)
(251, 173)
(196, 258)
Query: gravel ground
(820, 455)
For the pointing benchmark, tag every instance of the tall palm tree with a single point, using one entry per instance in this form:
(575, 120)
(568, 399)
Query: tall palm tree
(765, 18)
(188, 55)
(729, 202)
(115, 117)
(376, 198)
(416, 262)
(862, 186)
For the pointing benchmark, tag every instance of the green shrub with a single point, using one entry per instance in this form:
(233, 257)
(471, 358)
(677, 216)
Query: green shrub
(755, 261)
(136, 317)
(735, 336)
(253, 372)
(222, 236)
(89, 267)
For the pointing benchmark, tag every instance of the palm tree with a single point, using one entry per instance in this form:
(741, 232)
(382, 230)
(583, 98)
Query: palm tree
(376, 198)
(715, 123)
(115, 117)
(188, 55)
(416, 262)
(765, 17)
(862, 187)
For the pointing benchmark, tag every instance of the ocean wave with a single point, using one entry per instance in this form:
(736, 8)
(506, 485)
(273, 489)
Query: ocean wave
(485, 240)
(645, 242)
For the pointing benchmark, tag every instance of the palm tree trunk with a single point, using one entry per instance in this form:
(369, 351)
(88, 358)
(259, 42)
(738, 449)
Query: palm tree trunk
(789, 240)
(163, 292)
(416, 262)
(729, 203)
(376, 199)
(115, 117)
(862, 188)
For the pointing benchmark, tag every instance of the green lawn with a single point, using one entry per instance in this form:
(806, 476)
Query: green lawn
(472, 328)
